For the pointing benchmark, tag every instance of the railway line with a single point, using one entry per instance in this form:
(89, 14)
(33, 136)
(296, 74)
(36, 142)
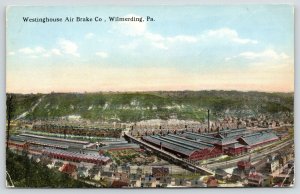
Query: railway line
(254, 156)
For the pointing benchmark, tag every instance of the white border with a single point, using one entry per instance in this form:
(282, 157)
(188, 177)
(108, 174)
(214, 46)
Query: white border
(4, 3)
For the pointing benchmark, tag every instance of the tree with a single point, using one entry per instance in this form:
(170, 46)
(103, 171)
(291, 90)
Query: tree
(10, 108)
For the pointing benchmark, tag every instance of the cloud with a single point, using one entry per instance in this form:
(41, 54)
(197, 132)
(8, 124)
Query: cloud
(228, 58)
(153, 36)
(160, 45)
(89, 35)
(266, 54)
(131, 28)
(139, 29)
(131, 45)
(35, 50)
(11, 53)
(182, 38)
(46, 55)
(68, 47)
(55, 51)
(64, 47)
(227, 34)
(39, 51)
(26, 50)
(102, 54)
(33, 56)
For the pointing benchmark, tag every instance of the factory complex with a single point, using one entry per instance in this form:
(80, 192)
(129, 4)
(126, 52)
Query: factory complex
(196, 146)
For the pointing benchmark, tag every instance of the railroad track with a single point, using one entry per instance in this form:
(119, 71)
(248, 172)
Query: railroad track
(192, 166)
(254, 156)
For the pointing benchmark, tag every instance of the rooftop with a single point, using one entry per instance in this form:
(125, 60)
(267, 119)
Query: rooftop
(260, 137)
(187, 151)
(75, 154)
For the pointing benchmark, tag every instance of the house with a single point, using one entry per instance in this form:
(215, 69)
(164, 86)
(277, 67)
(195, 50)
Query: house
(135, 180)
(272, 163)
(149, 181)
(212, 182)
(69, 169)
(282, 159)
(95, 172)
(107, 174)
(119, 184)
(159, 172)
(113, 167)
(196, 183)
(238, 175)
(139, 171)
(165, 180)
(133, 176)
(121, 176)
(244, 165)
(221, 174)
(256, 180)
(289, 156)
(82, 171)
(125, 168)
(180, 182)
(136, 183)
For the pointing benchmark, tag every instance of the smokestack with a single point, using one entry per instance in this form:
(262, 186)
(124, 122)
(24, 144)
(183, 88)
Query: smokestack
(208, 123)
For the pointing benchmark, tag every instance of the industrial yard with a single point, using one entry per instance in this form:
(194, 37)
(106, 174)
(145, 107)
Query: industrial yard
(213, 157)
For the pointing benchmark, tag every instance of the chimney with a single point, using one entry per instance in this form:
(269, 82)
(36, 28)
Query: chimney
(208, 123)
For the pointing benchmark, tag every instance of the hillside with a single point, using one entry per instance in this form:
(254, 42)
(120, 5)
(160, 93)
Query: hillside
(136, 106)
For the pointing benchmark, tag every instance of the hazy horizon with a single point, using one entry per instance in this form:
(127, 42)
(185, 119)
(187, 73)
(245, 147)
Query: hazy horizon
(152, 91)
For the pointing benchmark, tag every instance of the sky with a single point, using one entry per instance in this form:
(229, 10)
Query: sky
(232, 47)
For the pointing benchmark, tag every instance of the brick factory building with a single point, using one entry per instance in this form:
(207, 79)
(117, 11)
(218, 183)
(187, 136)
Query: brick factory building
(197, 146)
(75, 157)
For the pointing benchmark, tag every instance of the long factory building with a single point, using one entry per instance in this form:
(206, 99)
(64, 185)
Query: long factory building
(75, 156)
(196, 146)
(57, 148)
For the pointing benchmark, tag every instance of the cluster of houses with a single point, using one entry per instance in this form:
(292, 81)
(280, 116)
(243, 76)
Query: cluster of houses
(114, 177)
(265, 173)
(164, 127)
(78, 130)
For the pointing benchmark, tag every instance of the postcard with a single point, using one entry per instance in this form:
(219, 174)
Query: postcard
(150, 96)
